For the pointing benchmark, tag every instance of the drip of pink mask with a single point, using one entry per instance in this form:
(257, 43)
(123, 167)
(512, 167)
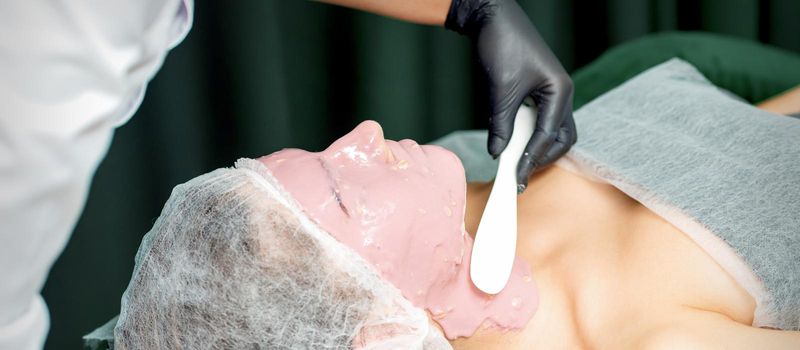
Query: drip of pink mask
(401, 207)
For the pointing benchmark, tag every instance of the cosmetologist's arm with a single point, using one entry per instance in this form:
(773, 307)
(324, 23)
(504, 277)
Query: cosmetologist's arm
(432, 12)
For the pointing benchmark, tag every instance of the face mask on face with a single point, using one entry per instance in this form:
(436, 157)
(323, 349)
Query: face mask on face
(233, 262)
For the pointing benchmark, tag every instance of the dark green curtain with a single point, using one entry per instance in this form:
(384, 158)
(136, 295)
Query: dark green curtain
(260, 75)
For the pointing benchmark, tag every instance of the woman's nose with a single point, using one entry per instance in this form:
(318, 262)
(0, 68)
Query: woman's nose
(367, 136)
(368, 133)
(377, 141)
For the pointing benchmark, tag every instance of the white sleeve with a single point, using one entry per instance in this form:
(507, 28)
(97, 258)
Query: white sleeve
(70, 71)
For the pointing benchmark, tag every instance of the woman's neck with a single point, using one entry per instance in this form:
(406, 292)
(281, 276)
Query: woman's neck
(546, 209)
(567, 231)
(597, 255)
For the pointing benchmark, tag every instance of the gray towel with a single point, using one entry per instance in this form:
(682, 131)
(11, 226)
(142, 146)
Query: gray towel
(716, 168)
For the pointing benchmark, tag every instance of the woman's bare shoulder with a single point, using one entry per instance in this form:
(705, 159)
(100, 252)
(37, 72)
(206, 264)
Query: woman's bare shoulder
(785, 103)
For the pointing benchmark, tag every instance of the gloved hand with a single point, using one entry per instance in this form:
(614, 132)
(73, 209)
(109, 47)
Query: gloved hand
(518, 64)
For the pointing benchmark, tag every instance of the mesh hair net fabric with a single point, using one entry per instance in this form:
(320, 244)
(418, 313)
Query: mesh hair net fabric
(232, 263)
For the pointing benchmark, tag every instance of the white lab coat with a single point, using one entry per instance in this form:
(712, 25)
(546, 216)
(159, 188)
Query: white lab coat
(70, 72)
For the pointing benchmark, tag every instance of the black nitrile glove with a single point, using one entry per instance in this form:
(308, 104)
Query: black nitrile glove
(518, 64)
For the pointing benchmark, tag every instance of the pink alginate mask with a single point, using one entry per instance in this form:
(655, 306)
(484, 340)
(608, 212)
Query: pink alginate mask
(401, 207)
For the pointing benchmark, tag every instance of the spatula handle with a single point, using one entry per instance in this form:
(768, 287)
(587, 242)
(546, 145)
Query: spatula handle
(496, 239)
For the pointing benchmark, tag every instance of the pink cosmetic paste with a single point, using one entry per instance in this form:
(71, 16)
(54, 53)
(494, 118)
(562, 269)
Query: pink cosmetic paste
(401, 207)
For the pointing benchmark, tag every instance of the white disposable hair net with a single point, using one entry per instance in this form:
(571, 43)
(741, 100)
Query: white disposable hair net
(233, 263)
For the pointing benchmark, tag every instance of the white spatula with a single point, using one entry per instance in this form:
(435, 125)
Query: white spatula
(496, 239)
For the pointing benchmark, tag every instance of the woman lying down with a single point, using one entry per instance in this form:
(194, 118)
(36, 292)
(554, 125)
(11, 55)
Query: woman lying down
(671, 224)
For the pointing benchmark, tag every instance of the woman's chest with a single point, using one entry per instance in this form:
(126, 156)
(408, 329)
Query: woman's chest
(610, 270)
